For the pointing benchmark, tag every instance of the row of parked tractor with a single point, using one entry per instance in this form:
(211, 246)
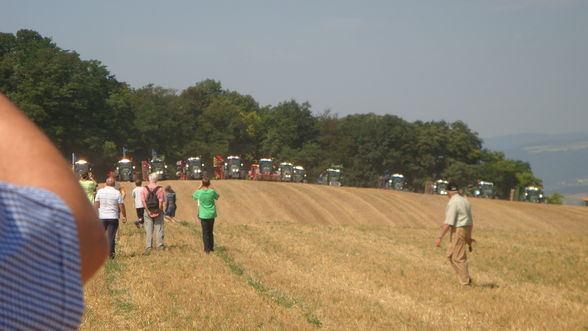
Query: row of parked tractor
(485, 189)
(267, 169)
(195, 168)
(482, 189)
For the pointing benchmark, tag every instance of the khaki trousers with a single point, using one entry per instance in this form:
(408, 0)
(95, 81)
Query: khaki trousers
(153, 224)
(456, 252)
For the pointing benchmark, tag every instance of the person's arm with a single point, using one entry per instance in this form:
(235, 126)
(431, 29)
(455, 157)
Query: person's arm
(123, 192)
(444, 229)
(144, 198)
(450, 215)
(160, 197)
(123, 212)
(53, 175)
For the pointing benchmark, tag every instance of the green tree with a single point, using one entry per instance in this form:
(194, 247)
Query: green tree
(555, 199)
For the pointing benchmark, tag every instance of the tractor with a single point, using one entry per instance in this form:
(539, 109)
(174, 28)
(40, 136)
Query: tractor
(81, 166)
(124, 170)
(393, 182)
(286, 171)
(264, 170)
(485, 190)
(158, 166)
(440, 187)
(194, 168)
(533, 194)
(233, 168)
(298, 174)
(332, 176)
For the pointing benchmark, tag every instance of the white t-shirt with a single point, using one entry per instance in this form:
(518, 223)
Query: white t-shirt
(109, 198)
(137, 195)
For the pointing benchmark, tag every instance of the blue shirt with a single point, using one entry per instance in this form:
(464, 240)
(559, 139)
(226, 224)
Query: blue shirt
(40, 281)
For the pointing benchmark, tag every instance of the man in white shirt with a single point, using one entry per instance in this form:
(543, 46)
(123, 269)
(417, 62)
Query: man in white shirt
(138, 197)
(459, 223)
(109, 204)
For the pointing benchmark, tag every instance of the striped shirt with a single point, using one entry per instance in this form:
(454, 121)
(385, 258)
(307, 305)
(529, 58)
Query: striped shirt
(40, 283)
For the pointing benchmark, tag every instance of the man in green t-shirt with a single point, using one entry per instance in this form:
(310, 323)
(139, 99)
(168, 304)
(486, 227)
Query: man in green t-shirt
(205, 195)
(89, 186)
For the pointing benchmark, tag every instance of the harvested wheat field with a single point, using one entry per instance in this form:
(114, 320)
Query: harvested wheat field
(302, 257)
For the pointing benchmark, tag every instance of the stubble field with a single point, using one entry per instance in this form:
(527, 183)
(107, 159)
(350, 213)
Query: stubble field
(302, 257)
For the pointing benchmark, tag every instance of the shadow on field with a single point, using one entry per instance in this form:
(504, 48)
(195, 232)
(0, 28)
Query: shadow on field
(488, 285)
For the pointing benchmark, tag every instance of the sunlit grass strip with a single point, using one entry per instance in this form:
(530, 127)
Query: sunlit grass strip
(277, 296)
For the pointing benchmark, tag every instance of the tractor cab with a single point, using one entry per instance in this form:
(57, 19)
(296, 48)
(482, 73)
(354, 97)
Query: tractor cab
(440, 187)
(332, 177)
(485, 190)
(396, 182)
(266, 166)
(533, 194)
(234, 168)
(81, 166)
(124, 170)
(286, 171)
(298, 174)
(194, 168)
(392, 182)
(159, 167)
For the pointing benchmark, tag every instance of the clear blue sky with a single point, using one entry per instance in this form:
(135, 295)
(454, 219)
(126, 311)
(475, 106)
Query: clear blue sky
(502, 67)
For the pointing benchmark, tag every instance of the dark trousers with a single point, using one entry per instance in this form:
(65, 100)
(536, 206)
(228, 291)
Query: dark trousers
(111, 225)
(207, 236)
(140, 215)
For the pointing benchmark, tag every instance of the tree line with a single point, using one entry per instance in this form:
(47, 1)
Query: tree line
(85, 110)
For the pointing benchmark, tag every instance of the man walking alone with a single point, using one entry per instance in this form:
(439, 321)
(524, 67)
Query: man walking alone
(109, 204)
(459, 223)
(153, 204)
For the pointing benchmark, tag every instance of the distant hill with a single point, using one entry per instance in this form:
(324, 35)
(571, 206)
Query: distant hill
(560, 160)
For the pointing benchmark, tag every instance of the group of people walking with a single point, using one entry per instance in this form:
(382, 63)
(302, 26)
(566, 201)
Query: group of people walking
(153, 205)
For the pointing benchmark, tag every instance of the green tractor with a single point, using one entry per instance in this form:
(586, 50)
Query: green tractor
(124, 170)
(485, 190)
(333, 176)
(440, 187)
(533, 194)
(298, 174)
(393, 182)
(194, 168)
(286, 171)
(157, 165)
(81, 166)
(233, 168)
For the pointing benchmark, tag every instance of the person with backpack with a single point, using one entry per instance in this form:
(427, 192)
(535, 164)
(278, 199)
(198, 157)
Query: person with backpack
(205, 195)
(153, 203)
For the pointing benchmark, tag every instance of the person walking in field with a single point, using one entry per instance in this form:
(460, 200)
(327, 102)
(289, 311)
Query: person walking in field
(138, 198)
(89, 186)
(109, 204)
(152, 198)
(170, 204)
(459, 223)
(205, 195)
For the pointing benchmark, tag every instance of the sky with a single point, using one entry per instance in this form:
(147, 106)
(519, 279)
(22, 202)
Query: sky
(501, 66)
